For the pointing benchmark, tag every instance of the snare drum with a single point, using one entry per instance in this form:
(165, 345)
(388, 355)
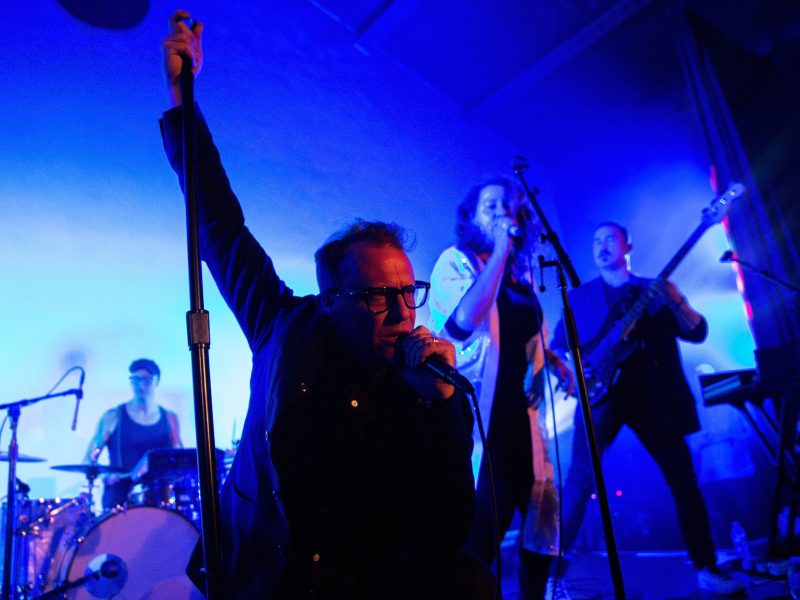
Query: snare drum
(167, 478)
(180, 493)
(153, 545)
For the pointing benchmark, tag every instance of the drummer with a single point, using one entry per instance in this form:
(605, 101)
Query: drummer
(131, 429)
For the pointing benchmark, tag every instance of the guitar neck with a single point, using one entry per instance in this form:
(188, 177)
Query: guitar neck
(682, 251)
(609, 347)
(637, 309)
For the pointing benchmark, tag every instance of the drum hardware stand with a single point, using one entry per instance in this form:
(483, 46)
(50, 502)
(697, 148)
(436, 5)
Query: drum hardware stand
(14, 411)
(199, 334)
(58, 593)
(91, 475)
(110, 574)
(563, 263)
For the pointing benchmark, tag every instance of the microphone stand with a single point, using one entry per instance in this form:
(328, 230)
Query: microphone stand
(59, 592)
(562, 264)
(9, 568)
(199, 335)
(729, 256)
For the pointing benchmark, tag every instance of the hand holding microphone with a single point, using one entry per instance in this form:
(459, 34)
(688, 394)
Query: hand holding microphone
(427, 363)
(504, 233)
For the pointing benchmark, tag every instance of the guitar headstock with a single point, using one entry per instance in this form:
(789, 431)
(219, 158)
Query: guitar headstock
(716, 211)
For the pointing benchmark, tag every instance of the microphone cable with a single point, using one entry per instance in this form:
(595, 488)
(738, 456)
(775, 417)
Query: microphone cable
(556, 445)
(492, 494)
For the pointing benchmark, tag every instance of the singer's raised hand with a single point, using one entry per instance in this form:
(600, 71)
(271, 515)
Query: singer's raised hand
(415, 349)
(181, 42)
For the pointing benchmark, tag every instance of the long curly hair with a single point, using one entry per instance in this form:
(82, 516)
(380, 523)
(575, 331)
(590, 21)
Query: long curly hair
(470, 236)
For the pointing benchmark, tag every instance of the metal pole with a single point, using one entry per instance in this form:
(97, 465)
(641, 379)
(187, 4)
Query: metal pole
(563, 263)
(9, 564)
(199, 337)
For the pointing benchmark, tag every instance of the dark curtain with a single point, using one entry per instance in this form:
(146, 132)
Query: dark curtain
(743, 69)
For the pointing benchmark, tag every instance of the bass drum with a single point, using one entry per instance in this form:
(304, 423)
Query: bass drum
(154, 546)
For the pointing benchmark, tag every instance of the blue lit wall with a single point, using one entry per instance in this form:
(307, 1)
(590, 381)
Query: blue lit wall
(314, 133)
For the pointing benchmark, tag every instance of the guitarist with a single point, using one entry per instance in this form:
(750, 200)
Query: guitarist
(650, 394)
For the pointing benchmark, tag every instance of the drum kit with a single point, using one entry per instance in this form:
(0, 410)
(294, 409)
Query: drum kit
(62, 549)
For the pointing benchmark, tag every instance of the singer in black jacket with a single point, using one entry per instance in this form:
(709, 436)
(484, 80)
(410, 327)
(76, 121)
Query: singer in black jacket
(352, 479)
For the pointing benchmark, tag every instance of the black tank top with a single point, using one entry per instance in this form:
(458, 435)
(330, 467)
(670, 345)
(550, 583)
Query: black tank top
(128, 443)
(131, 440)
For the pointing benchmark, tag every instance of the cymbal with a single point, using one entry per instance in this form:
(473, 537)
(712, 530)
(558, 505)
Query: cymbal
(89, 470)
(21, 458)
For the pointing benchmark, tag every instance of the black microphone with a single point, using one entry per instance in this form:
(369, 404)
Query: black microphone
(514, 231)
(80, 383)
(519, 164)
(78, 396)
(727, 256)
(437, 366)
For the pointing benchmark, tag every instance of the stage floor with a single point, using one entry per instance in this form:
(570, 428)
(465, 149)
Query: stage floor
(646, 575)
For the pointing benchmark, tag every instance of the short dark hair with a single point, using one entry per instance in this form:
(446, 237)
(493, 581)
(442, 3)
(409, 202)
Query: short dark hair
(623, 230)
(469, 235)
(147, 365)
(330, 255)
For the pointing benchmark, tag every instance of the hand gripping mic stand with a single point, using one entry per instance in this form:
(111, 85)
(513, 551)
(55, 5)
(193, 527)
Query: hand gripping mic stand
(563, 263)
(199, 336)
(9, 568)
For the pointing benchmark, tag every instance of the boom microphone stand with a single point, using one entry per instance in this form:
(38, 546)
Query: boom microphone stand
(563, 263)
(730, 256)
(199, 335)
(14, 410)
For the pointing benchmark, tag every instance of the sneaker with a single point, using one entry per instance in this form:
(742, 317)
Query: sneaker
(556, 589)
(719, 582)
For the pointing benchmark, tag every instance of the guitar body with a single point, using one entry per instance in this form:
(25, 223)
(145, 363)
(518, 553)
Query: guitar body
(611, 347)
(604, 354)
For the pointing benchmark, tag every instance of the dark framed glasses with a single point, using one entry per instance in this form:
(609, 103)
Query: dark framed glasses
(380, 299)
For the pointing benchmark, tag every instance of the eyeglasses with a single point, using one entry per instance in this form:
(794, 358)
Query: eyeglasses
(142, 378)
(380, 299)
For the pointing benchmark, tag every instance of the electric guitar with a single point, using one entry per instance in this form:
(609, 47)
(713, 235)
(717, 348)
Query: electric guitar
(604, 353)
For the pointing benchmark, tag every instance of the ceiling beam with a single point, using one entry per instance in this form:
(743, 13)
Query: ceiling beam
(379, 25)
(555, 58)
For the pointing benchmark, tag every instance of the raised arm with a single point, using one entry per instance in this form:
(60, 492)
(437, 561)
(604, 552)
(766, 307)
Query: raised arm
(242, 270)
(475, 305)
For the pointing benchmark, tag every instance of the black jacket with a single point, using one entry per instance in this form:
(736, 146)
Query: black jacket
(293, 350)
